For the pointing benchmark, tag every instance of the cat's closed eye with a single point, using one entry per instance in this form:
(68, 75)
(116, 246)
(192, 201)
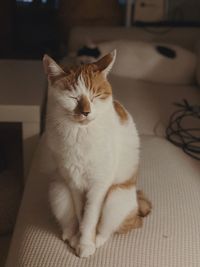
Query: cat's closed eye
(96, 96)
(102, 96)
(73, 97)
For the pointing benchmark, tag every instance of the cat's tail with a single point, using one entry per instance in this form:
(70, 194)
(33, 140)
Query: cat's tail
(144, 204)
(135, 219)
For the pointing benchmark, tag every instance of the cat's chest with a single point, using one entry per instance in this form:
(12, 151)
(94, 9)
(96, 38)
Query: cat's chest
(77, 145)
(82, 155)
(76, 166)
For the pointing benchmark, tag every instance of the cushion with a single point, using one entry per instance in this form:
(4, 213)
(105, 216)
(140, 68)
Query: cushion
(148, 61)
(169, 236)
(184, 36)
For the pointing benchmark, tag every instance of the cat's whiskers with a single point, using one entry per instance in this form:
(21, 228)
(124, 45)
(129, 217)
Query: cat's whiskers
(72, 114)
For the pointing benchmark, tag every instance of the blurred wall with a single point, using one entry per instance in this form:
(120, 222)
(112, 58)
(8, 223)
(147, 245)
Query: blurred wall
(89, 13)
(6, 14)
(184, 10)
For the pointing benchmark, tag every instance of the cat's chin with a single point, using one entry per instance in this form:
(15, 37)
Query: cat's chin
(83, 121)
(86, 121)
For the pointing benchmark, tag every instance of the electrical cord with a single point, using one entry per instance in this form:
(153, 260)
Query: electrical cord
(186, 138)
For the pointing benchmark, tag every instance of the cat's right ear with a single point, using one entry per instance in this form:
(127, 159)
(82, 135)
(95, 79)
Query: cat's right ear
(106, 63)
(51, 68)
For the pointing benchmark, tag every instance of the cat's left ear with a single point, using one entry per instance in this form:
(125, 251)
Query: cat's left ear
(106, 63)
(51, 68)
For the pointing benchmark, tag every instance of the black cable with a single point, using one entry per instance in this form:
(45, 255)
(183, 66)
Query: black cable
(186, 138)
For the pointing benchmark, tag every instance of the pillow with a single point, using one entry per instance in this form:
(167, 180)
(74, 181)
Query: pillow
(154, 62)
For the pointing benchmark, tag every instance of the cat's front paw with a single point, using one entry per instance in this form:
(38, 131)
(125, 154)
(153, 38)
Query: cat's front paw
(85, 250)
(74, 240)
(70, 230)
(100, 240)
(67, 235)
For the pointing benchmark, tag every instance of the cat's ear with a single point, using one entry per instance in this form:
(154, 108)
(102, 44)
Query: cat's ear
(51, 68)
(105, 64)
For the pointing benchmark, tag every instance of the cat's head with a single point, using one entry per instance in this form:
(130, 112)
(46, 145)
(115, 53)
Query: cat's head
(83, 92)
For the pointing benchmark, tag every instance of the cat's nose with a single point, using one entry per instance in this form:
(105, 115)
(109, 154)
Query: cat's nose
(85, 113)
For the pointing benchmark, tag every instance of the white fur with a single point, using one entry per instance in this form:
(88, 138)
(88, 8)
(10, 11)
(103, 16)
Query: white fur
(119, 204)
(90, 158)
(63, 208)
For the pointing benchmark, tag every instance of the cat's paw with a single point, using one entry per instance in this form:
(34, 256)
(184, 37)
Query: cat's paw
(85, 250)
(67, 235)
(70, 230)
(100, 240)
(74, 240)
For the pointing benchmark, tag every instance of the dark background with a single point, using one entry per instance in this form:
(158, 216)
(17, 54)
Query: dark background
(30, 28)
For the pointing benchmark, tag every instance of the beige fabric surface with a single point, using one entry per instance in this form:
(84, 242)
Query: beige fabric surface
(151, 103)
(170, 236)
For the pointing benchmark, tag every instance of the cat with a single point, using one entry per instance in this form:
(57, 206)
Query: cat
(95, 145)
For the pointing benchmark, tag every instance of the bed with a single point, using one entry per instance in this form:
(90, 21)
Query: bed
(170, 178)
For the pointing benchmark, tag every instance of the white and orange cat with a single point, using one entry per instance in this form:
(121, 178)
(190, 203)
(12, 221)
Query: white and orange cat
(95, 145)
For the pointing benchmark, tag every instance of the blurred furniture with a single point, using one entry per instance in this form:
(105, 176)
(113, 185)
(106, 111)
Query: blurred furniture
(28, 29)
(11, 182)
(162, 13)
(6, 27)
(21, 100)
(170, 178)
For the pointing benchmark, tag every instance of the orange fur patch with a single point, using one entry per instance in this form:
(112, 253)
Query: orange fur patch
(121, 112)
(96, 82)
(92, 76)
(54, 79)
(144, 204)
(126, 185)
(135, 218)
(132, 221)
(69, 78)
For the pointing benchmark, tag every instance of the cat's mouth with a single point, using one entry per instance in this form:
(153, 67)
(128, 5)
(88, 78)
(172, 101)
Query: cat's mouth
(82, 119)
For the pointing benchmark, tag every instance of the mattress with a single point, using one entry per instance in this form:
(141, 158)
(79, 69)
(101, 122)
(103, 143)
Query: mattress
(169, 177)
(169, 236)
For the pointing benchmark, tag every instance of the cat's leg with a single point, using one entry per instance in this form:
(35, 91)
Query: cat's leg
(120, 206)
(94, 199)
(62, 206)
(79, 201)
